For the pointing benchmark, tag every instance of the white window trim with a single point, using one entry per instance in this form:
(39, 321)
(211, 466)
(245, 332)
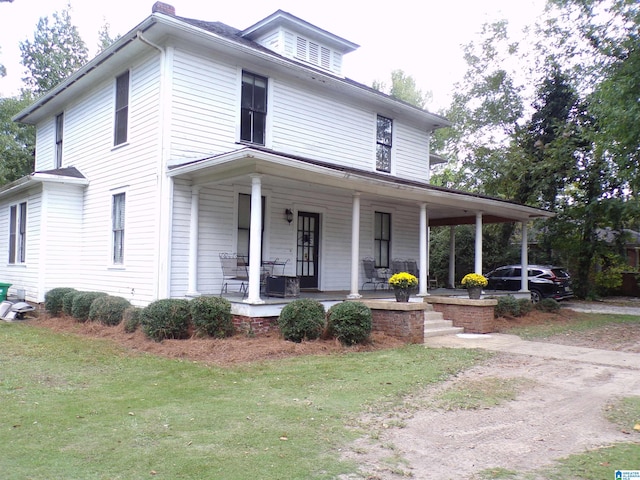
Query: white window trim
(268, 138)
(113, 265)
(20, 241)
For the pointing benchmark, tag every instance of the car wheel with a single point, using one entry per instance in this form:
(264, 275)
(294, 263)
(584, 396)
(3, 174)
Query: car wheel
(536, 296)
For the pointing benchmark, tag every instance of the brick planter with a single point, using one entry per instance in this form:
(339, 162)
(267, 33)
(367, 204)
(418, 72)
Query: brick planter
(475, 316)
(400, 320)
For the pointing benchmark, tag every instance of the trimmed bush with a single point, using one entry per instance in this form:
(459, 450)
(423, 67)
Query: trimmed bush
(67, 301)
(350, 322)
(507, 307)
(212, 316)
(166, 318)
(548, 305)
(524, 306)
(302, 320)
(108, 309)
(82, 304)
(53, 299)
(131, 319)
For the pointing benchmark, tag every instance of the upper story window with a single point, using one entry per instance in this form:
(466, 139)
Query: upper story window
(253, 111)
(384, 135)
(122, 109)
(117, 228)
(59, 135)
(382, 239)
(17, 233)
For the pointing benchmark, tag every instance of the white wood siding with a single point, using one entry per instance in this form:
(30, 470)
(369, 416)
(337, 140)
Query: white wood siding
(217, 227)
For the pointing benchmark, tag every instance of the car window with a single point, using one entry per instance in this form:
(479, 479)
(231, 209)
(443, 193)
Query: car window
(560, 273)
(516, 272)
(535, 273)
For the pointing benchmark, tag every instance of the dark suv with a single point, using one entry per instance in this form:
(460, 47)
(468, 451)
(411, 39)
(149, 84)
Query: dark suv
(545, 281)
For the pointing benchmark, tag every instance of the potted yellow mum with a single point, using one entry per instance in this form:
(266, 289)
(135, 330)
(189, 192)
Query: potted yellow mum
(474, 283)
(403, 284)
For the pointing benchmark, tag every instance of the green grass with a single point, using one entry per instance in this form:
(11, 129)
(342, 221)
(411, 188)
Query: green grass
(583, 322)
(74, 408)
(625, 412)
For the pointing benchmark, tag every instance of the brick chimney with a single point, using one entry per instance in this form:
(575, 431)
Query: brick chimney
(160, 7)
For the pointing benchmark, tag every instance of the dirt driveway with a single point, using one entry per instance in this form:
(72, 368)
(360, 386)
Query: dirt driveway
(558, 411)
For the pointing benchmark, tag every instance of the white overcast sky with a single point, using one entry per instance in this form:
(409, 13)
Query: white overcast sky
(422, 38)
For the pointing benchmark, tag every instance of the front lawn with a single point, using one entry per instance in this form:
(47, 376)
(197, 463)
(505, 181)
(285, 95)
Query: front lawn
(80, 408)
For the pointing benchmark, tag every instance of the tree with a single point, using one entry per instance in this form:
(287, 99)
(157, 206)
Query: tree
(104, 38)
(403, 87)
(17, 141)
(56, 51)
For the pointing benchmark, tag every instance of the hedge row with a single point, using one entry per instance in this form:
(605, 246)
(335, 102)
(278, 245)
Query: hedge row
(303, 319)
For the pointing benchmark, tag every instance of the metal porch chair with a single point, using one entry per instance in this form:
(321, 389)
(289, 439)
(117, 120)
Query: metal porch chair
(372, 274)
(234, 269)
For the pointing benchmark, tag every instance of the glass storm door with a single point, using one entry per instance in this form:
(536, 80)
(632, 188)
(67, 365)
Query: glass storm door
(308, 252)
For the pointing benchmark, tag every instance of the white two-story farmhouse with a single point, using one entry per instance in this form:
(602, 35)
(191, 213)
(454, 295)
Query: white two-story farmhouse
(187, 139)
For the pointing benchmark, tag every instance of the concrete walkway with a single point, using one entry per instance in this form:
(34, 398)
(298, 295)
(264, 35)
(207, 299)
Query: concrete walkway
(499, 342)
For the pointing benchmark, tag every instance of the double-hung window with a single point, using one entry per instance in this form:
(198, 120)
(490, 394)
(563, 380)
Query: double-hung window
(244, 223)
(122, 109)
(384, 136)
(382, 239)
(17, 233)
(59, 135)
(117, 228)
(253, 110)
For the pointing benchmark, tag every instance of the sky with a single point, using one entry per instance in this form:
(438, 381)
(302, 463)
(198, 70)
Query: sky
(422, 38)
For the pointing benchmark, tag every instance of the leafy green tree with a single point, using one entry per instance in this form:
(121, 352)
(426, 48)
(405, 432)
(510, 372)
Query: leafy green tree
(17, 141)
(57, 50)
(403, 87)
(104, 38)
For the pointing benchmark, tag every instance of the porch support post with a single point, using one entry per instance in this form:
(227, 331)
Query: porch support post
(478, 252)
(452, 257)
(255, 241)
(355, 246)
(192, 286)
(424, 251)
(524, 259)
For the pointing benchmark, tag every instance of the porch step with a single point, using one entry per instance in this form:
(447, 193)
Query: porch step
(435, 325)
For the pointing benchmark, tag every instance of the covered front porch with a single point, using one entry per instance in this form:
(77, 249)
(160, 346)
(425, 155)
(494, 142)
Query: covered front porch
(283, 189)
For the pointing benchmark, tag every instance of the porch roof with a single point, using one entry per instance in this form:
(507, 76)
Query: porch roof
(446, 206)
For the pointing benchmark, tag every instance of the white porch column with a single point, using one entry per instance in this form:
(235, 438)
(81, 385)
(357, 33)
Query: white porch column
(452, 257)
(355, 246)
(255, 241)
(478, 253)
(424, 251)
(524, 259)
(192, 286)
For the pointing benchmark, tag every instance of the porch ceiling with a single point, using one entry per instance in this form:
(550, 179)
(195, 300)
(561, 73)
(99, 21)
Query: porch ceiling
(446, 206)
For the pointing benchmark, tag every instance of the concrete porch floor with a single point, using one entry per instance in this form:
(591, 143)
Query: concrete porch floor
(273, 305)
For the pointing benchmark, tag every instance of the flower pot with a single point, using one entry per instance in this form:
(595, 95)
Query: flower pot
(402, 294)
(474, 292)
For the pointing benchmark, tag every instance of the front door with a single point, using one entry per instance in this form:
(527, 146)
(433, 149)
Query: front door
(308, 251)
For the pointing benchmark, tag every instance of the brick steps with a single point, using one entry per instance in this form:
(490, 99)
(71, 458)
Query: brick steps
(435, 325)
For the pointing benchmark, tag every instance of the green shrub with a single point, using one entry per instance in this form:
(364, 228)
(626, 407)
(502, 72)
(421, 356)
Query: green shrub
(507, 307)
(302, 319)
(131, 319)
(524, 306)
(350, 322)
(212, 316)
(108, 309)
(53, 299)
(82, 304)
(67, 301)
(548, 305)
(166, 318)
